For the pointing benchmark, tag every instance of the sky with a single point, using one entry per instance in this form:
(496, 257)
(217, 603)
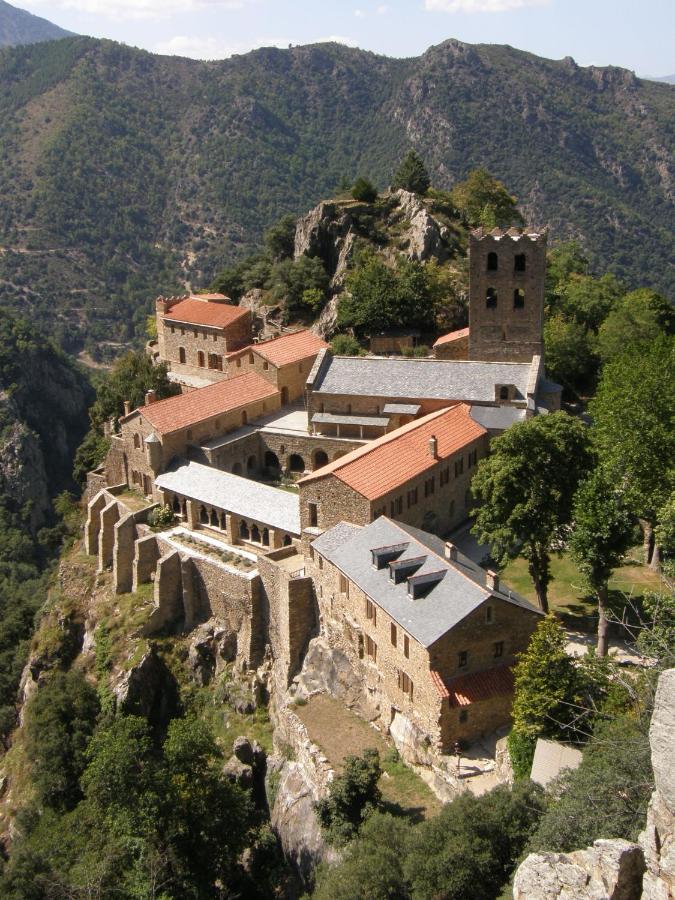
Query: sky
(635, 34)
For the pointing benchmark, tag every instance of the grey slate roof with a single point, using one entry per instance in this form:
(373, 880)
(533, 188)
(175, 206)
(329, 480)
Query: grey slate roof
(497, 418)
(433, 379)
(241, 496)
(401, 409)
(332, 419)
(459, 589)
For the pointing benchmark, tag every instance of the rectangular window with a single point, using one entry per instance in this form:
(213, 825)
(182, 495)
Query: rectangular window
(311, 552)
(462, 659)
(473, 458)
(343, 585)
(371, 611)
(173, 330)
(405, 683)
(489, 615)
(406, 646)
(392, 631)
(320, 562)
(313, 514)
(266, 366)
(498, 649)
(459, 467)
(412, 497)
(429, 486)
(371, 648)
(444, 477)
(399, 505)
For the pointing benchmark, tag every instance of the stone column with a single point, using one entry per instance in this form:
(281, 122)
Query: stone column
(232, 524)
(192, 513)
(106, 537)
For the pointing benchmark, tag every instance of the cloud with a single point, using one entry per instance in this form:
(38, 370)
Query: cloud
(216, 48)
(382, 9)
(134, 9)
(479, 6)
(359, 13)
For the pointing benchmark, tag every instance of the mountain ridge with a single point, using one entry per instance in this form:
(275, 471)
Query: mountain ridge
(128, 174)
(18, 26)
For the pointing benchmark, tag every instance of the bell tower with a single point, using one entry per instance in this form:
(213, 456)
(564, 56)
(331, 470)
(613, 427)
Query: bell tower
(507, 271)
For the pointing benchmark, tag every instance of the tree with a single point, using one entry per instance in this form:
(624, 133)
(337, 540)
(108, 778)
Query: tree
(544, 703)
(588, 301)
(381, 297)
(469, 850)
(364, 190)
(371, 866)
(280, 238)
(570, 354)
(130, 378)
(483, 200)
(527, 486)
(637, 319)
(297, 282)
(411, 175)
(665, 536)
(352, 797)
(345, 345)
(633, 429)
(563, 260)
(602, 530)
(60, 720)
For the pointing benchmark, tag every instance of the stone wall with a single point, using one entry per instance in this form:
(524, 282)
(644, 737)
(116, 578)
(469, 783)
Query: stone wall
(211, 341)
(457, 349)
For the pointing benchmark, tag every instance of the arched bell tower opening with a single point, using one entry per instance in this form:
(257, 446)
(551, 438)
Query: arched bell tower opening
(506, 294)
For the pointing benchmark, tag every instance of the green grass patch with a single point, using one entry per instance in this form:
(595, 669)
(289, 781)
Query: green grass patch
(403, 788)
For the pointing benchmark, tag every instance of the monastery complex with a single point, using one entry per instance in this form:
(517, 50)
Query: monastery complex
(314, 495)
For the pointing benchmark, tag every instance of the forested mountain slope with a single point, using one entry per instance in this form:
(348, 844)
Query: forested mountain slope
(124, 174)
(20, 27)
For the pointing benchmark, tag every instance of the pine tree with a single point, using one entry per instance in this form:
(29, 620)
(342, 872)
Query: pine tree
(412, 175)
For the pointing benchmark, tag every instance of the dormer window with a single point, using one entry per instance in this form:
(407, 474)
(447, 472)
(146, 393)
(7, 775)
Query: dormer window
(504, 392)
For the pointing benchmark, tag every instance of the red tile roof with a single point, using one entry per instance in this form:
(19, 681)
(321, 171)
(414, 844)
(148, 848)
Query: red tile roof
(468, 689)
(290, 348)
(452, 336)
(203, 312)
(184, 410)
(393, 459)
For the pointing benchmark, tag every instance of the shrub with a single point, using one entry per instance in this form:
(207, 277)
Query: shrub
(161, 517)
(364, 190)
(352, 797)
(345, 345)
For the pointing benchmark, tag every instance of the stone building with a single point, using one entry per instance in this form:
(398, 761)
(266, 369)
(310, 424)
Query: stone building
(507, 272)
(195, 334)
(418, 474)
(454, 345)
(153, 435)
(394, 341)
(432, 635)
(285, 361)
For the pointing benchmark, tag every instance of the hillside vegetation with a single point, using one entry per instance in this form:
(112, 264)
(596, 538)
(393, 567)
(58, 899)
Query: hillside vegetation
(125, 174)
(20, 27)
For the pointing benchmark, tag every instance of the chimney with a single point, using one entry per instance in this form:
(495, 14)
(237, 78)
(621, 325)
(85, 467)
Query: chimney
(127, 407)
(450, 551)
(492, 580)
(433, 446)
(150, 397)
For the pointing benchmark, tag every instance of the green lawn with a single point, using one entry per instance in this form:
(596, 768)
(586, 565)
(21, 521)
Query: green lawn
(567, 592)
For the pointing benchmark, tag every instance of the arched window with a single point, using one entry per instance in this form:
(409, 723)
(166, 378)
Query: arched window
(519, 298)
(137, 441)
(266, 537)
(272, 461)
(296, 463)
(181, 354)
(491, 298)
(492, 262)
(519, 262)
(320, 459)
(255, 534)
(200, 359)
(287, 540)
(203, 515)
(243, 530)
(213, 518)
(176, 503)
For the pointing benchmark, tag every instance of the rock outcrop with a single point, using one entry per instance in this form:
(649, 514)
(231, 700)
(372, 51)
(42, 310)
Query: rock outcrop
(609, 870)
(616, 869)
(658, 838)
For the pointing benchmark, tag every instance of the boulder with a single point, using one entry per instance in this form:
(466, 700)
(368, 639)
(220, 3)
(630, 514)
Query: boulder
(243, 750)
(239, 773)
(609, 870)
(424, 238)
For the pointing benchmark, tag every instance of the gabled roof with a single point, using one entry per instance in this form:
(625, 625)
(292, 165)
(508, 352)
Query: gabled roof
(392, 460)
(452, 336)
(401, 379)
(453, 589)
(241, 496)
(205, 312)
(290, 348)
(184, 410)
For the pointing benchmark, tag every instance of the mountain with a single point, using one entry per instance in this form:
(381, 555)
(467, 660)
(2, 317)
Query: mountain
(20, 27)
(669, 79)
(125, 175)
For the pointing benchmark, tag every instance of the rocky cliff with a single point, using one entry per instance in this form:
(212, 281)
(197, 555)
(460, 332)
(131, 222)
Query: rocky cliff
(616, 869)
